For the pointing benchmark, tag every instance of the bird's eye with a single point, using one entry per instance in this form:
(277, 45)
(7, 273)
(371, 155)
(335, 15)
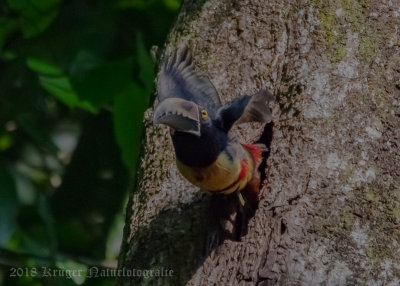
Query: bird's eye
(204, 113)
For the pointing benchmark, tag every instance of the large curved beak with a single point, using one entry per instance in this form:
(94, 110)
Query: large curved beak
(180, 114)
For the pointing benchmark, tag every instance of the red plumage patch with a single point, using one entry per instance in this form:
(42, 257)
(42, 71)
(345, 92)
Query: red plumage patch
(255, 152)
(243, 171)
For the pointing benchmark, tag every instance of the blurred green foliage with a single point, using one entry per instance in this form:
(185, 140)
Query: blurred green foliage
(75, 79)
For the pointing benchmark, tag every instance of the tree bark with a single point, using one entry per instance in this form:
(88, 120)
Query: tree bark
(330, 207)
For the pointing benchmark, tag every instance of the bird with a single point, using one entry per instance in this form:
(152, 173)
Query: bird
(208, 154)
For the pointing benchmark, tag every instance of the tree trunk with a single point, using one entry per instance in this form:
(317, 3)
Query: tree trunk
(330, 207)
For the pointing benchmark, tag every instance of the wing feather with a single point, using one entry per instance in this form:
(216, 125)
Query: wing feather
(257, 109)
(178, 78)
(246, 108)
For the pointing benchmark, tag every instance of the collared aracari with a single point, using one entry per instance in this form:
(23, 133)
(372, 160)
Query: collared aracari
(207, 154)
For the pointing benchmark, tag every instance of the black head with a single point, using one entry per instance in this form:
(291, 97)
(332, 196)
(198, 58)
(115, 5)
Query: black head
(197, 138)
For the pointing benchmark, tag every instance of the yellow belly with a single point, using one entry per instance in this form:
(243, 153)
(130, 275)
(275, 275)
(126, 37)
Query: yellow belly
(222, 175)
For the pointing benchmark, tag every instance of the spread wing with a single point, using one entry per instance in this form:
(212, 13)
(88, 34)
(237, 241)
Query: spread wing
(246, 108)
(178, 78)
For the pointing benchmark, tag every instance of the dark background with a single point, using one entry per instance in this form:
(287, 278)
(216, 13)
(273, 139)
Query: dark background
(75, 79)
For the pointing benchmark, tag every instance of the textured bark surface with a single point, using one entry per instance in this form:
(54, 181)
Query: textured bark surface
(330, 207)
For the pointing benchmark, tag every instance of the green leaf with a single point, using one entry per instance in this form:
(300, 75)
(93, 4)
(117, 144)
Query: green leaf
(99, 84)
(61, 88)
(146, 64)
(129, 107)
(7, 26)
(43, 67)
(48, 219)
(136, 4)
(52, 79)
(26, 191)
(79, 270)
(172, 4)
(6, 142)
(34, 16)
(114, 238)
(8, 206)
(83, 62)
